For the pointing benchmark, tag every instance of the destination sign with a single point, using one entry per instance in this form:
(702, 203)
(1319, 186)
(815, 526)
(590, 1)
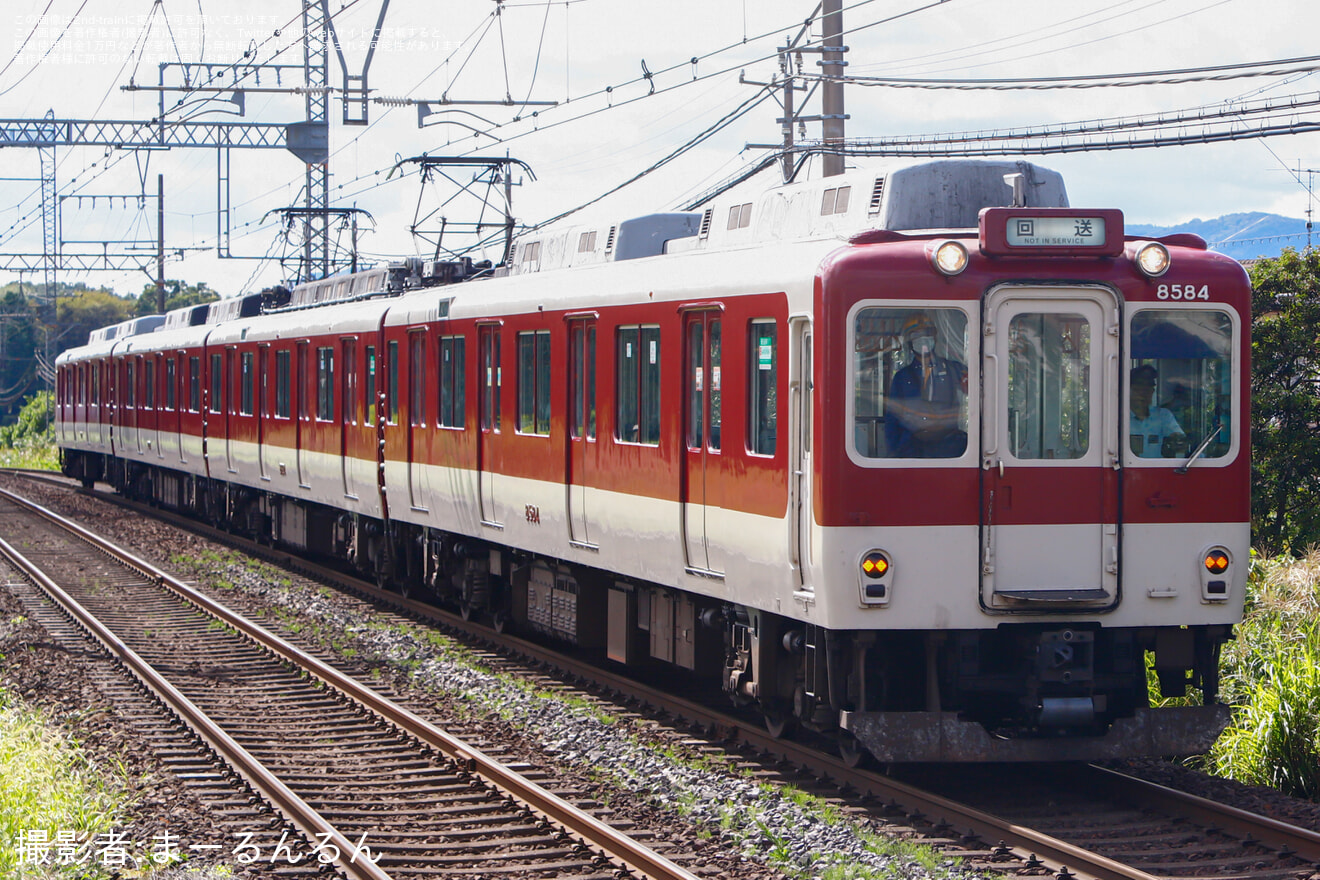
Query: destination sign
(1056, 231)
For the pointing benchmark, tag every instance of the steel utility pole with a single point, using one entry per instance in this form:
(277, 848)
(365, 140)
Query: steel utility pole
(832, 64)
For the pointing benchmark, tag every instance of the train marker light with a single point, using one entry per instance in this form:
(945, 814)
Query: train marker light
(1153, 259)
(875, 565)
(1216, 562)
(949, 257)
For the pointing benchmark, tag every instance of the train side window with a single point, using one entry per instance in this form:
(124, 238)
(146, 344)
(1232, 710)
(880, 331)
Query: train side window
(245, 388)
(325, 383)
(909, 379)
(1180, 383)
(453, 404)
(217, 384)
(637, 406)
(282, 373)
(534, 382)
(762, 385)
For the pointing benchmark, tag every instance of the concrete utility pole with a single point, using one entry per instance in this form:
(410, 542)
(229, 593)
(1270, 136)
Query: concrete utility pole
(160, 244)
(832, 64)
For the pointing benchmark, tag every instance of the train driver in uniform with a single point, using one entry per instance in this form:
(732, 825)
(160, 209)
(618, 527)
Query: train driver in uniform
(1153, 430)
(924, 407)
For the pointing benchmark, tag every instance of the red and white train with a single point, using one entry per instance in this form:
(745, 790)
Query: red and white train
(925, 458)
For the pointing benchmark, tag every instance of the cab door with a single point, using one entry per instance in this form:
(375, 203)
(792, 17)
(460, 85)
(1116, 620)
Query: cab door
(1049, 457)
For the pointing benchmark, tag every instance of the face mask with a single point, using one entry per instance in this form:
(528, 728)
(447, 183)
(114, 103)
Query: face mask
(923, 344)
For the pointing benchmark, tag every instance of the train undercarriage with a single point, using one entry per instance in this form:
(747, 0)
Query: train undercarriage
(1028, 692)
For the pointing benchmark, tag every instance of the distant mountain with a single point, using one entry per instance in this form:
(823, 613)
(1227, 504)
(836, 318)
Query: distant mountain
(1241, 236)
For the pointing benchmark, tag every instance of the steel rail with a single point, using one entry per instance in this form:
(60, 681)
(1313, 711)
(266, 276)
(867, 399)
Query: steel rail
(295, 809)
(1303, 841)
(628, 853)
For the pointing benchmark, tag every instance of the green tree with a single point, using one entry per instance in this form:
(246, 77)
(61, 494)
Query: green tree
(18, 338)
(1285, 387)
(81, 313)
(177, 295)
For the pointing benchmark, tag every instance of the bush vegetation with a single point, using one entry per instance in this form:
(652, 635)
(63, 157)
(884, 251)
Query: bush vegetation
(1271, 676)
(30, 442)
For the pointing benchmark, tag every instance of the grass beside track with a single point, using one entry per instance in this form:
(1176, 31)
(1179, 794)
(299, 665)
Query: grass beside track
(49, 790)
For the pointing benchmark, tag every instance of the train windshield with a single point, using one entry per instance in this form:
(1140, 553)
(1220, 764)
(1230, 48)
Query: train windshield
(1180, 382)
(910, 383)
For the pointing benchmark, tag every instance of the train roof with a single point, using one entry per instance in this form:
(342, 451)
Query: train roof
(943, 194)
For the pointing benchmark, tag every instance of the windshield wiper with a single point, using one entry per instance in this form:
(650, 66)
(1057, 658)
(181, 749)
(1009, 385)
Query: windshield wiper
(1197, 454)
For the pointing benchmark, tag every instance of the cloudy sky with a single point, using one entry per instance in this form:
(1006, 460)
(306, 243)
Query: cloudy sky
(74, 57)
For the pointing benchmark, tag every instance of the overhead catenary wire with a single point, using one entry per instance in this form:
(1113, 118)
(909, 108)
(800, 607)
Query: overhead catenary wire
(1219, 73)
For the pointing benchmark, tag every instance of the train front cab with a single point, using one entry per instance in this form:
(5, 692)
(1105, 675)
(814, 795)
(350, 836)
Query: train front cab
(999, 572)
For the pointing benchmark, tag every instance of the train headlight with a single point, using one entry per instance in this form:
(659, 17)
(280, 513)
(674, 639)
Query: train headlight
(1153, 259)
(948, 257)
(875, 578)
(1216, 574)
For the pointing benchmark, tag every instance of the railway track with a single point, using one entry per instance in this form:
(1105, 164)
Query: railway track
(371, 788)
(1064, 822)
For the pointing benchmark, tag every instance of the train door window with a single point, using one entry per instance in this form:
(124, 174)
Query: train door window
(350, 394)
(194, 384)
(1180, 383)
(453, 403)
(245, 387)
(704, 380)
(491, 378)
(417, 379)
(637, 353)
(217, 384)
(149, 384)
(534, 382)
(130, 383)
(762, 385)
(264, 403)
(392, 368)
(96, 383)
(369, 386)
(300, 381)
(325, 383)
(909, 382)
(1048, 395)
(282, 372)
(583, 383)
(169, 383)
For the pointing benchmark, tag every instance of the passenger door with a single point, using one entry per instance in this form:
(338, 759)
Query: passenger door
(1049, 525)
(489, 380)
(701, 442)
(581, 427)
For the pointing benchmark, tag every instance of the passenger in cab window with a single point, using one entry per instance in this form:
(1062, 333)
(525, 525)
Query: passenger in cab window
(1153, 430)
(925, 398)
